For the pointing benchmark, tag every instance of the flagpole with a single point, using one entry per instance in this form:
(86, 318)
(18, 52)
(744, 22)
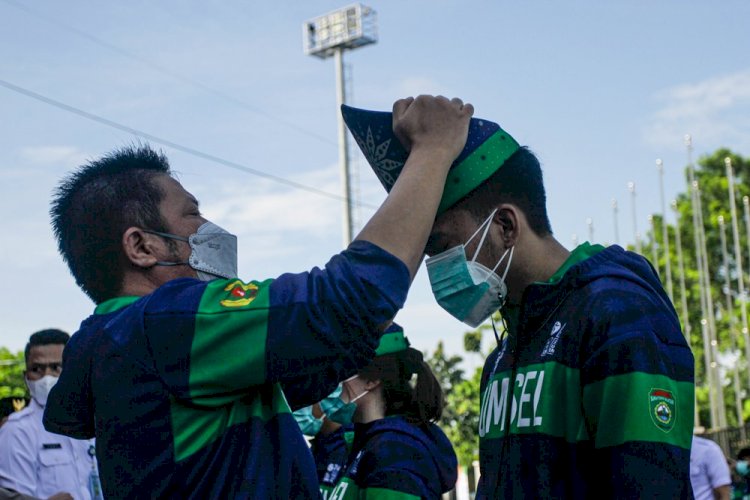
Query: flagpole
(654, 253)
(683, 296)
(738, 260)
(732, 321)
(707, 344)
(614, 218)
(665, 232)
(631, 188)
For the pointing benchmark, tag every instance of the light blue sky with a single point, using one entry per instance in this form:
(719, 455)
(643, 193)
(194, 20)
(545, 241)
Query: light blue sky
(598, 90)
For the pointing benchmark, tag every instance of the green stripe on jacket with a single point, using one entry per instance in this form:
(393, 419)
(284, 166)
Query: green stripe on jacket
(548, 399)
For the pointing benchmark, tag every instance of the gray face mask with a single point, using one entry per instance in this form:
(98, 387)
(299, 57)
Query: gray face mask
(213, 252)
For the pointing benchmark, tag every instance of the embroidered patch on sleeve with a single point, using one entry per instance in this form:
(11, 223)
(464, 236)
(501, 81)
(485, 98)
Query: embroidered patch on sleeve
(662, 408)
(240, 294)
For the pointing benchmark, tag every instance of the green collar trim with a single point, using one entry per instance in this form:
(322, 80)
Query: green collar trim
(579, 254)
(392, 342)
(477, 168)
(112, 305)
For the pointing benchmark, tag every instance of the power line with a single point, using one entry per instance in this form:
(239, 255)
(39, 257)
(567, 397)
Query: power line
(174, 145)
(170, 73)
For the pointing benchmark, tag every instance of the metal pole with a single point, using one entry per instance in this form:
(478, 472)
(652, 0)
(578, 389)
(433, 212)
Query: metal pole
(712, 331)
(654, 254)
(681, 269)
(738, 261)
(614, 216)
(631, 188)
(712, 394)
(590, 224)
(707, 345)
(732, 321)
(665, 232)
(683, 296)
(575, 240)
(343, 145)
(746, 210)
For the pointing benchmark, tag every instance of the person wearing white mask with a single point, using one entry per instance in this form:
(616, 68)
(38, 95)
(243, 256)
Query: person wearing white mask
(187, 372)
(589, 392)
(34, 461)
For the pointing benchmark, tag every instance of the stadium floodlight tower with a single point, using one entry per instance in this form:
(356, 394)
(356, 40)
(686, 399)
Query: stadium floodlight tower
(330, 35)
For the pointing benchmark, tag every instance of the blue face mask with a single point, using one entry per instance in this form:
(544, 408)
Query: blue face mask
(336, 409)
(467, 290)
(308, 424)
(742, 468)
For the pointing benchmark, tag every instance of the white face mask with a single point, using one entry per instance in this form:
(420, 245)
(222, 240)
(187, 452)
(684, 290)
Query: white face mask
(213, 252)
(39, 389)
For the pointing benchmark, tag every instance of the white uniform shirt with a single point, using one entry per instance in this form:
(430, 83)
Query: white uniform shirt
(40, 463)
(708, 468)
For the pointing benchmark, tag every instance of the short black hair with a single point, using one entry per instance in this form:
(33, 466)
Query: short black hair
(50, 336)
(95, 204)
(520, 182)
(743, 454)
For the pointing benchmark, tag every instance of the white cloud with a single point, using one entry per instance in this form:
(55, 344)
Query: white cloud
(66, 156)
(715, 111)
(415, 85)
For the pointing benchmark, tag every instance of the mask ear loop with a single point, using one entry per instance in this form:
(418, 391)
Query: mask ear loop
(507, 267)
(486, 225)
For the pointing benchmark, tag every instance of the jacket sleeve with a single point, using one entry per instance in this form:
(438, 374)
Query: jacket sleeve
(306, 331)
(637, 397)
(70, 409)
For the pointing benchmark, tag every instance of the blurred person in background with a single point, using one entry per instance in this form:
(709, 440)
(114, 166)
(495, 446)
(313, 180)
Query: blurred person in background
(34, 461)
(709, 471)
(741, 475)
(330, 441)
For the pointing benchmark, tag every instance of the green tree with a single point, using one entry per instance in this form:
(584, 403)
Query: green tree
(11, 374)
(712, 183)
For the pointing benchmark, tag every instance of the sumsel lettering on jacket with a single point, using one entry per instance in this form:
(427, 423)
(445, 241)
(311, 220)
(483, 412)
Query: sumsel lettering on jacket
(524, 401)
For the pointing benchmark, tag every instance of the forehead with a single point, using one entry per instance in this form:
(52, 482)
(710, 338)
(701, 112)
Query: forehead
(173, 191)
(451, 228)
(49, 353)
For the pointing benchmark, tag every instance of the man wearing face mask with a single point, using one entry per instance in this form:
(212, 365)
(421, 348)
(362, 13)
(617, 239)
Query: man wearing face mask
(187, 374)
(36, 462)
(589, 394)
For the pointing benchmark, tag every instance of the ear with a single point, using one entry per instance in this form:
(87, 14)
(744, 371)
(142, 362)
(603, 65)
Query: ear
(371, 385)
(509, 219)
(139, 247)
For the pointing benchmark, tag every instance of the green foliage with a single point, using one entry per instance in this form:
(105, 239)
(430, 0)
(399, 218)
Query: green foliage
(11, 374)
(473, 341)
(460, 419)
(463, 430)
(711, 176)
